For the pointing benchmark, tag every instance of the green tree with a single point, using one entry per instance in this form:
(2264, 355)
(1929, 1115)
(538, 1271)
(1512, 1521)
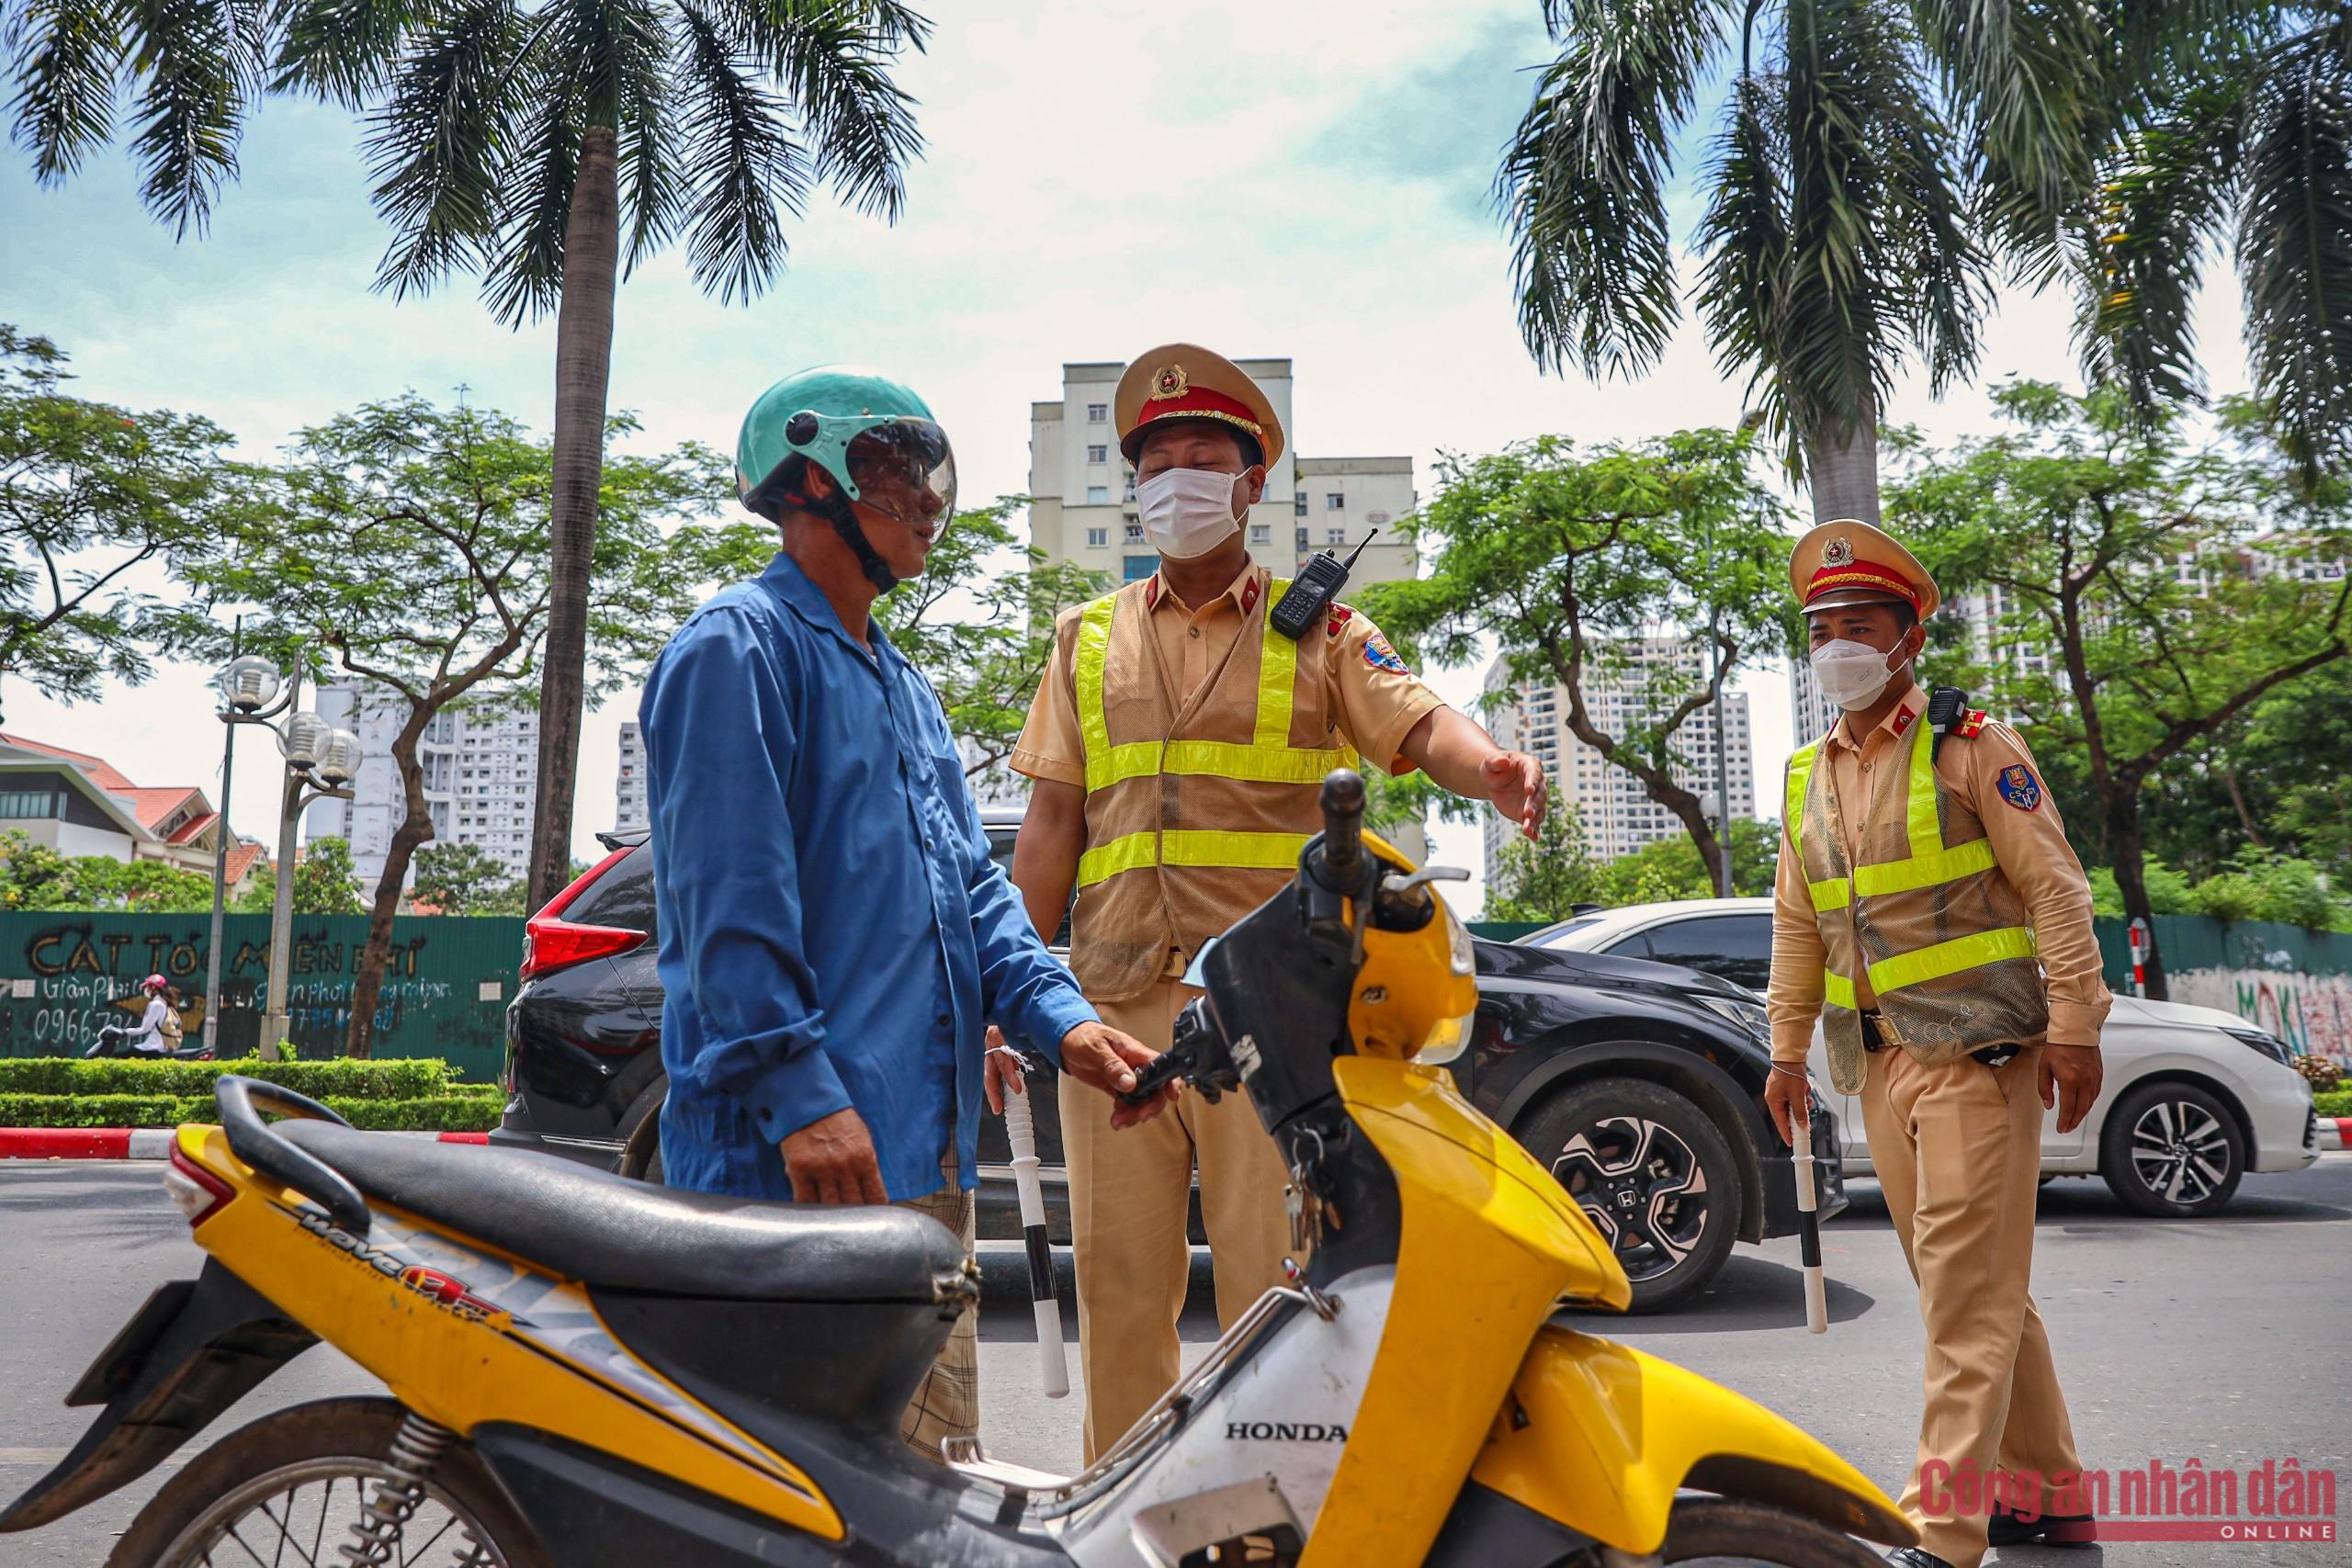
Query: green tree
(1876, 161)
(89, 493)
(463, 879)
(982, 634)
(544, 148)
(1667, 869)
(1571, 561)
(2167, 588)
(327, 882)
(1546, 879)
(34, 876)
(400, 545)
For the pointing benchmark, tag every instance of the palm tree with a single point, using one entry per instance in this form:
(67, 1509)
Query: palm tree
(517, 142)
(1877, 160)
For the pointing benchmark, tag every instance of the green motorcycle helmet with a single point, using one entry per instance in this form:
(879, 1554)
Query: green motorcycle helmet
(873, 434)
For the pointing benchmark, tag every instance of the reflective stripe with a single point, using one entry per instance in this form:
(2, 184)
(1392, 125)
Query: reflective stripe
(1800, 776)
(1837, 991)
(1269, 758)
(1950, 957)
(1189, 847)
(1834, 894)
(1925, 870)
(1925, 824)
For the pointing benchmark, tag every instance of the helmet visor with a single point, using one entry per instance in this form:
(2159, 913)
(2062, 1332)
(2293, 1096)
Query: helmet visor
(906, 470)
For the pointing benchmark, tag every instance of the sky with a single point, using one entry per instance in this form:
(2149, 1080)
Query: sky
(1308, 180)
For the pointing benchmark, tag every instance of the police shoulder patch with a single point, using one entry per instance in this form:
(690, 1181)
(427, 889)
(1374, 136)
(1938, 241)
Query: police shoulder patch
(2019, 787)
(1380, 656)
(1341, 616)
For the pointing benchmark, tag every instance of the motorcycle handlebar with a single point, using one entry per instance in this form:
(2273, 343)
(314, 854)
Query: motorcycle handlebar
(251, 1140)
(1343, 796)
(1161, 1071)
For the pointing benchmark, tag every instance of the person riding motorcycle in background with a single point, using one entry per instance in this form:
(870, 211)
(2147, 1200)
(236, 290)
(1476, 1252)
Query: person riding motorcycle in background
(153, 1034)
(834, 936)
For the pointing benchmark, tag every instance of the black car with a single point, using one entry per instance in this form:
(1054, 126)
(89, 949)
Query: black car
(1639, 1084)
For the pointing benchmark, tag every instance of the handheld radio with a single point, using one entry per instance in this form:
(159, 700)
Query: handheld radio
(1317, 583)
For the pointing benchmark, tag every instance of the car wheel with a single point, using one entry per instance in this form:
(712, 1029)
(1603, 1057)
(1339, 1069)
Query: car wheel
(1653, 1173)
(2172, 1150)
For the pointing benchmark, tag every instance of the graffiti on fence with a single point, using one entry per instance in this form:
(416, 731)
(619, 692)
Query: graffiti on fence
(2310, 1012)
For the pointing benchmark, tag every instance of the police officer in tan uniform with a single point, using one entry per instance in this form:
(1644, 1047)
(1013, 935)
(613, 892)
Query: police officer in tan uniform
(1178, 743)
(1930, 914)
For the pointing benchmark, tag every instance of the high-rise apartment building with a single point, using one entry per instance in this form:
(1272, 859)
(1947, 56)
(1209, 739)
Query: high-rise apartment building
(481, 769)
(629, 811)
(1082, 491)
(1614, 805)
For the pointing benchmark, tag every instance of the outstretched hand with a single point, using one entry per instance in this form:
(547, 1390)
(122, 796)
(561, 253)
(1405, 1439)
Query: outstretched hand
(1514, 782)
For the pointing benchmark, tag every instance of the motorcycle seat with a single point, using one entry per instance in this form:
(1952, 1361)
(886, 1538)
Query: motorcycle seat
(602, 1229)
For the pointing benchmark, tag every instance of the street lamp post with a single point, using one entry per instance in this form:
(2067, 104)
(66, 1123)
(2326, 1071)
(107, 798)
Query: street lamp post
(321, 761)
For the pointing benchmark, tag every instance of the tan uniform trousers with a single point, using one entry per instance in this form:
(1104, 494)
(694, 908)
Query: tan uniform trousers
(1129, 1195)
(1958, 1152)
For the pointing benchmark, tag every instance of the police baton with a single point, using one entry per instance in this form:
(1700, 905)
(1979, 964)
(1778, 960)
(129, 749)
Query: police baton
(1020, 1131)
(1816, 1289)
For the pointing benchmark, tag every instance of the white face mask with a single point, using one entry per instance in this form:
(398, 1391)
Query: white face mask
(1852, 673)
(1187, 512)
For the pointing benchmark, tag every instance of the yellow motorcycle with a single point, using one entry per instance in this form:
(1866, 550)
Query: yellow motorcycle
(585, 1370)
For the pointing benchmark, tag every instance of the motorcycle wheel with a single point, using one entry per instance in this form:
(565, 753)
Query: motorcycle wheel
(294, 1482)
(1727, 1532)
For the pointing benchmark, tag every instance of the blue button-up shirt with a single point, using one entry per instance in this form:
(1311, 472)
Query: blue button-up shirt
(833, 932)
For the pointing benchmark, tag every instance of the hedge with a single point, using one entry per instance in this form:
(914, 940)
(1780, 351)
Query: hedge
(2333, 1102)
(458, 1112)
(394, 1079)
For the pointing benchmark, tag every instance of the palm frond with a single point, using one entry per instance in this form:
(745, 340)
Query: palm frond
(833, 57)
(2027, 74)
(744, 168)
(436, 143)
(2291, 249)
(343, 51)
(1581, 187)
(523, 278)
(652, 193)
(65, 54)
(1745, 235)
(192, 60)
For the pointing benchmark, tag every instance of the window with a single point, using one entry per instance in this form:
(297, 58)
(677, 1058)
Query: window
(1133, 533)
(27, 803)
(1140, 567)
(1262, 534)
(1298, 503)
(1131, 487)
(1097, 413)
(1097, 538)
(1302, 539)
(1335, 502)
(1738, 947)
(1098, 453)
(1335, 535)
(1098, 495)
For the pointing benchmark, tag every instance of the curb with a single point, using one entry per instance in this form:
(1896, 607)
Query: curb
(132, 1143)
(2335, 1133)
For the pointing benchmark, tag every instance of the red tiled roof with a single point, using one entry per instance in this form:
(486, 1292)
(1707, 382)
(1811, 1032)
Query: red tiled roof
(240, 860)
(190, 830)
(152, 805)
(102, 773)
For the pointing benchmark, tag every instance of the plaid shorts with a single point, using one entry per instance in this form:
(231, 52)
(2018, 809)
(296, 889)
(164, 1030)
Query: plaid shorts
(947, 1405)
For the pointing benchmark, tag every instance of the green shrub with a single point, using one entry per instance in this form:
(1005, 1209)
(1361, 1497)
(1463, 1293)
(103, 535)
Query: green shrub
(402, 1079)
(2334, 1102)
(433, 1113)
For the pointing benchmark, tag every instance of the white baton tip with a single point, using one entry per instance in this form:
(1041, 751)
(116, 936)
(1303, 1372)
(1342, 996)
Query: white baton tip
(1053, 1365)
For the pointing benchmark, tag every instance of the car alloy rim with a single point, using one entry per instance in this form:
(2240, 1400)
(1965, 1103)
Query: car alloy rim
(1642, 1187)
(2180, 1151)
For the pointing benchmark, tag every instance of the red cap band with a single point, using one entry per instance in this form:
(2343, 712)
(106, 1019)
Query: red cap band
(1193, 403)
(1862, 574)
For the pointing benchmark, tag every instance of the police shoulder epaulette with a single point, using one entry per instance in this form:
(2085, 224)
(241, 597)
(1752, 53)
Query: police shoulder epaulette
(1338, 616)
(1971, 724)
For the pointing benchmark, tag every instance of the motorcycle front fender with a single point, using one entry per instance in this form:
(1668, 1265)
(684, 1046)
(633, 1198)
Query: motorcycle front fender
(1600, 1438)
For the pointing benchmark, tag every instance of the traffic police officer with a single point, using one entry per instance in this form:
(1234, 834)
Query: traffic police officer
(1178, 742)
(1929, 912)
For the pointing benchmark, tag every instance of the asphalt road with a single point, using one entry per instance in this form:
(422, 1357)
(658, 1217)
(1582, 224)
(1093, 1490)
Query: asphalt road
(2220, 1339)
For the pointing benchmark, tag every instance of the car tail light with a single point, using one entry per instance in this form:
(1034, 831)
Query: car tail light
(196, 1191)
(551, 942)
(550, 945)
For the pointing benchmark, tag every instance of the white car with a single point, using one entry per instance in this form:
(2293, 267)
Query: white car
(2192, 1099)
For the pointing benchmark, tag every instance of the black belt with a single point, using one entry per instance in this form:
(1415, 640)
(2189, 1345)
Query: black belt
(1991, 1056)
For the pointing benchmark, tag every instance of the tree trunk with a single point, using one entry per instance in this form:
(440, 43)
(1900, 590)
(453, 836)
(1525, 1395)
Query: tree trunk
(1715, 853)
(2131, 877)
(583, 362)
(415, 828)
(1843, 477)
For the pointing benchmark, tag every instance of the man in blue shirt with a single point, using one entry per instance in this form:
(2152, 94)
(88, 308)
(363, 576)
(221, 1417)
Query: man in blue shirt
(836, 938)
